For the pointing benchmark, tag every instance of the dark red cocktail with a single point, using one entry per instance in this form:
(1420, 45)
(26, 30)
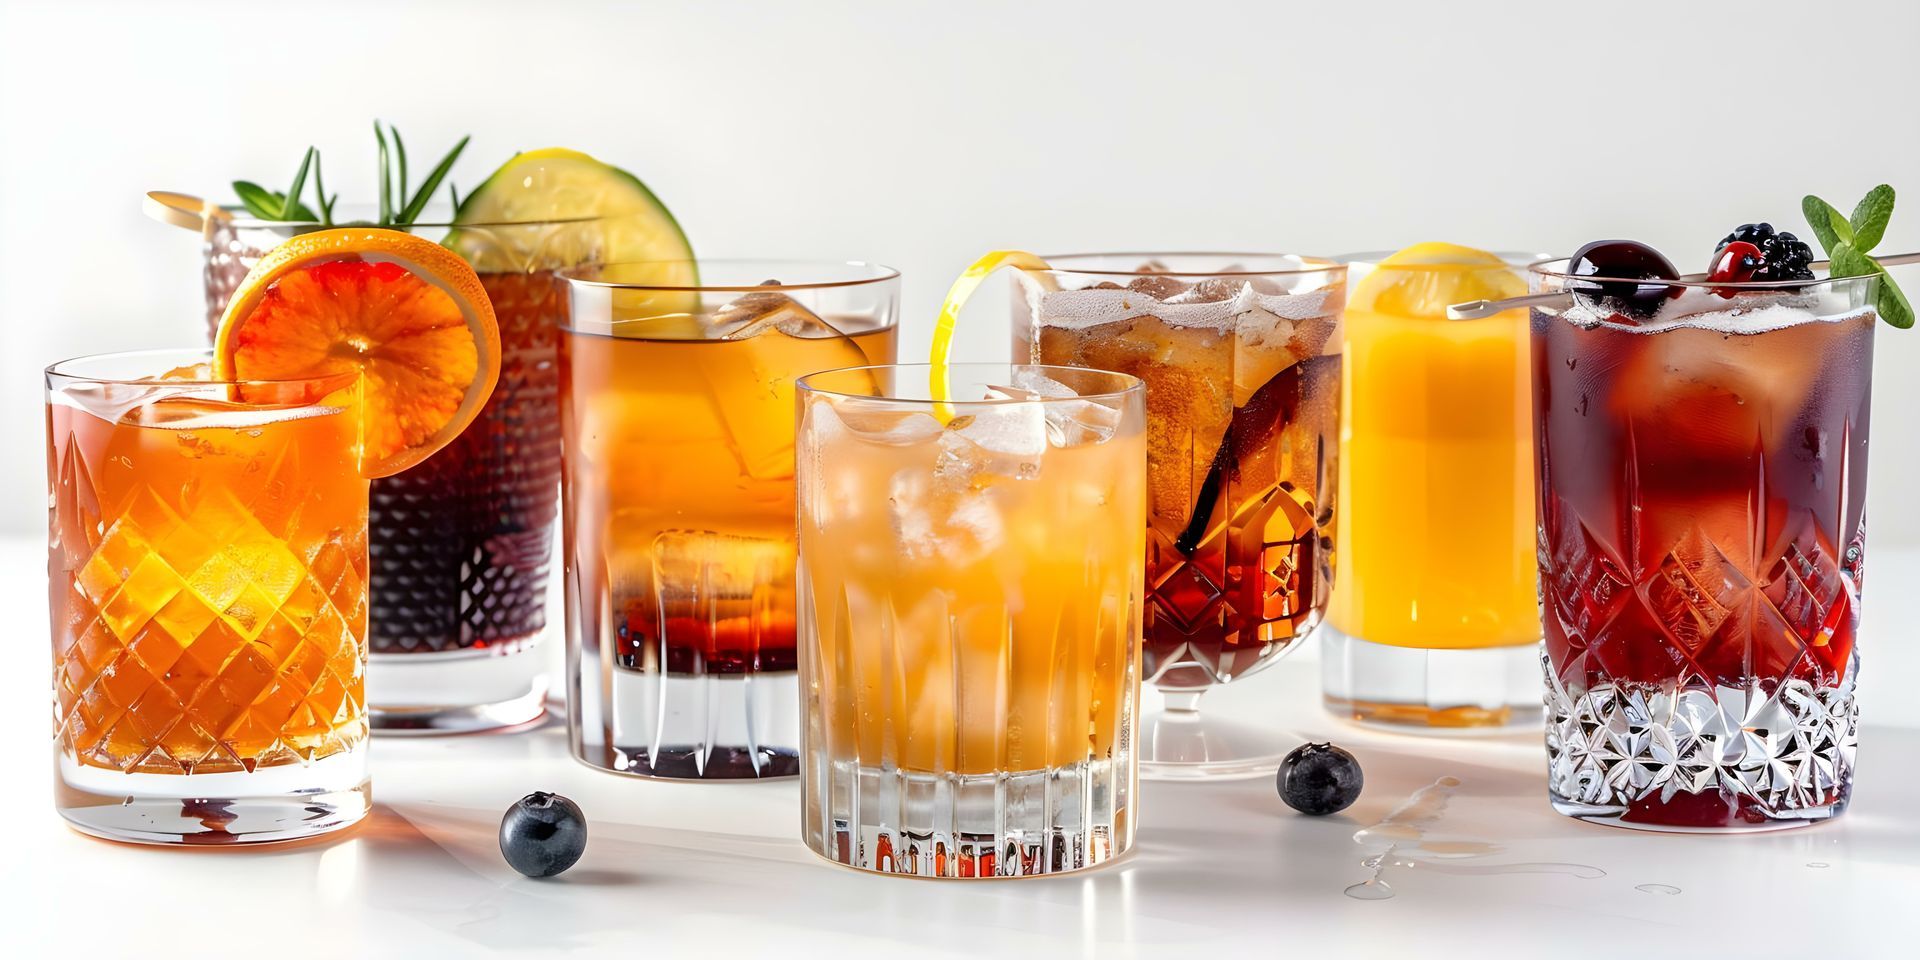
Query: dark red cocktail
(1702, 474)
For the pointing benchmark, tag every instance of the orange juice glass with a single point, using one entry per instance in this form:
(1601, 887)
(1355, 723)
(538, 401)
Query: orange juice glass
(207, 564)
(970, 611)
(1434, 618)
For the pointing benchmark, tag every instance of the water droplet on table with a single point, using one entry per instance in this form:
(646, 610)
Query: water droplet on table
(1819, 864)
(1373, 888)
(1660, 888)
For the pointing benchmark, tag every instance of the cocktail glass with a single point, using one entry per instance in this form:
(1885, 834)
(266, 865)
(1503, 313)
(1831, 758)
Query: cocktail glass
(207, 559)
(1434, 623)
(678, 409)
(1241, 357)
(1702, 476)
(461, 542)
(970, 603)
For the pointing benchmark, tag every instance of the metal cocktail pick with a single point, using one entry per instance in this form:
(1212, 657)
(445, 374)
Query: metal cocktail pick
(1477, 309)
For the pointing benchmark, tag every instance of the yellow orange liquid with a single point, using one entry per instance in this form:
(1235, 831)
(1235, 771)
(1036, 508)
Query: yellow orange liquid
(971, 624)
(209, 580)
(1436, 544)
(680, 505)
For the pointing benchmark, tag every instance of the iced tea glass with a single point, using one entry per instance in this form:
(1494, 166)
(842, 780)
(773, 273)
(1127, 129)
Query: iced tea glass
(1241, 356)
(678, 411)
(1434, 623)
(970, 603)
(1702, 476)
(207, 565)
(462, 541)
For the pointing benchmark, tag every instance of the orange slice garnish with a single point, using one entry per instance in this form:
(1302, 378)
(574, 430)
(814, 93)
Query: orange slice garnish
(406, 314)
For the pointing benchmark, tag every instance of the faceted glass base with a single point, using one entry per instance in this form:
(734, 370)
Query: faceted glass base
(692, 727)
(955, 826)
(1418, 690)
(269, 805)
(1181, 742)
(1701, 759)
(459, 691)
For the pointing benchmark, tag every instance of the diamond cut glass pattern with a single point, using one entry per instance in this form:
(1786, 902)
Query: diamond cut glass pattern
(201, 641)
(461, 544)
(207, 560)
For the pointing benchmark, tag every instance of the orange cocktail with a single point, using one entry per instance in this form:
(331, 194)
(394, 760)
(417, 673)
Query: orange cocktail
(1434, 615)
(208, 566)
(207, 539)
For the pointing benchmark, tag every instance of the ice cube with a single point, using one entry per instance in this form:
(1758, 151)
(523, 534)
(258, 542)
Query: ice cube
(885, 423)
(116, 402)
(998, 441)
(1215, 290)
(702, 580)
(758, 312)
(935, 519)
(1158, 286)
(1071, 421)
(751, 382)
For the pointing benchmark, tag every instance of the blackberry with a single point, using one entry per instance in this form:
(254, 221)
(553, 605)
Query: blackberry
(1783, 256)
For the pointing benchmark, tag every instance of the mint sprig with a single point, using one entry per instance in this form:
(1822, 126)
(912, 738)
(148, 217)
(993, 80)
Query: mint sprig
(1849, 240)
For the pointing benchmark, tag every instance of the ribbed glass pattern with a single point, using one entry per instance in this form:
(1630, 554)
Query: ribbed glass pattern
(970, 621)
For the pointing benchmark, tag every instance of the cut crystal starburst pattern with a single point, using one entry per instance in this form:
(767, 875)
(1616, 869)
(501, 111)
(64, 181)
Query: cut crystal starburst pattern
(1780, 750)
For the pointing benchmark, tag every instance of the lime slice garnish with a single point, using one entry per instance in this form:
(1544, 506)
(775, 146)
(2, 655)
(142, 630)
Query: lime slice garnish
(963, 287)
(624, 221)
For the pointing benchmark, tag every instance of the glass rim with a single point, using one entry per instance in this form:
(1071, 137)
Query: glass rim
(881, 274)
(1315, 265)
(239, 217)
(1698, 281)
(1518, 259)
(1130, 383)
(160, 357)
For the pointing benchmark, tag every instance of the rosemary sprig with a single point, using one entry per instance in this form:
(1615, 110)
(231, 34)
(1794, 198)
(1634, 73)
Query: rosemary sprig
(400, 204)
(386, 178)
(273, 205)
(320, 192)
(432, 183)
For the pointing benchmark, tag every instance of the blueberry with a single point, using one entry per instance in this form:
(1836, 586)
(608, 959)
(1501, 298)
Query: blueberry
(543, 834)
(1319, 778)
(1621, 262)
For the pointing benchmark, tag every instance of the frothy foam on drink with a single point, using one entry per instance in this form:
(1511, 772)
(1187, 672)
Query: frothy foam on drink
(1702, 309)
(1093, 306)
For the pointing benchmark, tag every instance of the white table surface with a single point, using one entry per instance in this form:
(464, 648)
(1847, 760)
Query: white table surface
(1220, 869)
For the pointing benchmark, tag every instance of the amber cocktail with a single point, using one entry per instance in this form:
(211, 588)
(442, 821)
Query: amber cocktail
(1241, 357)
(678, 410)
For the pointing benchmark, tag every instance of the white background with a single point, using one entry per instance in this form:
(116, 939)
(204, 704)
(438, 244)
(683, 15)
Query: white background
(919, 135)
(922, 134)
